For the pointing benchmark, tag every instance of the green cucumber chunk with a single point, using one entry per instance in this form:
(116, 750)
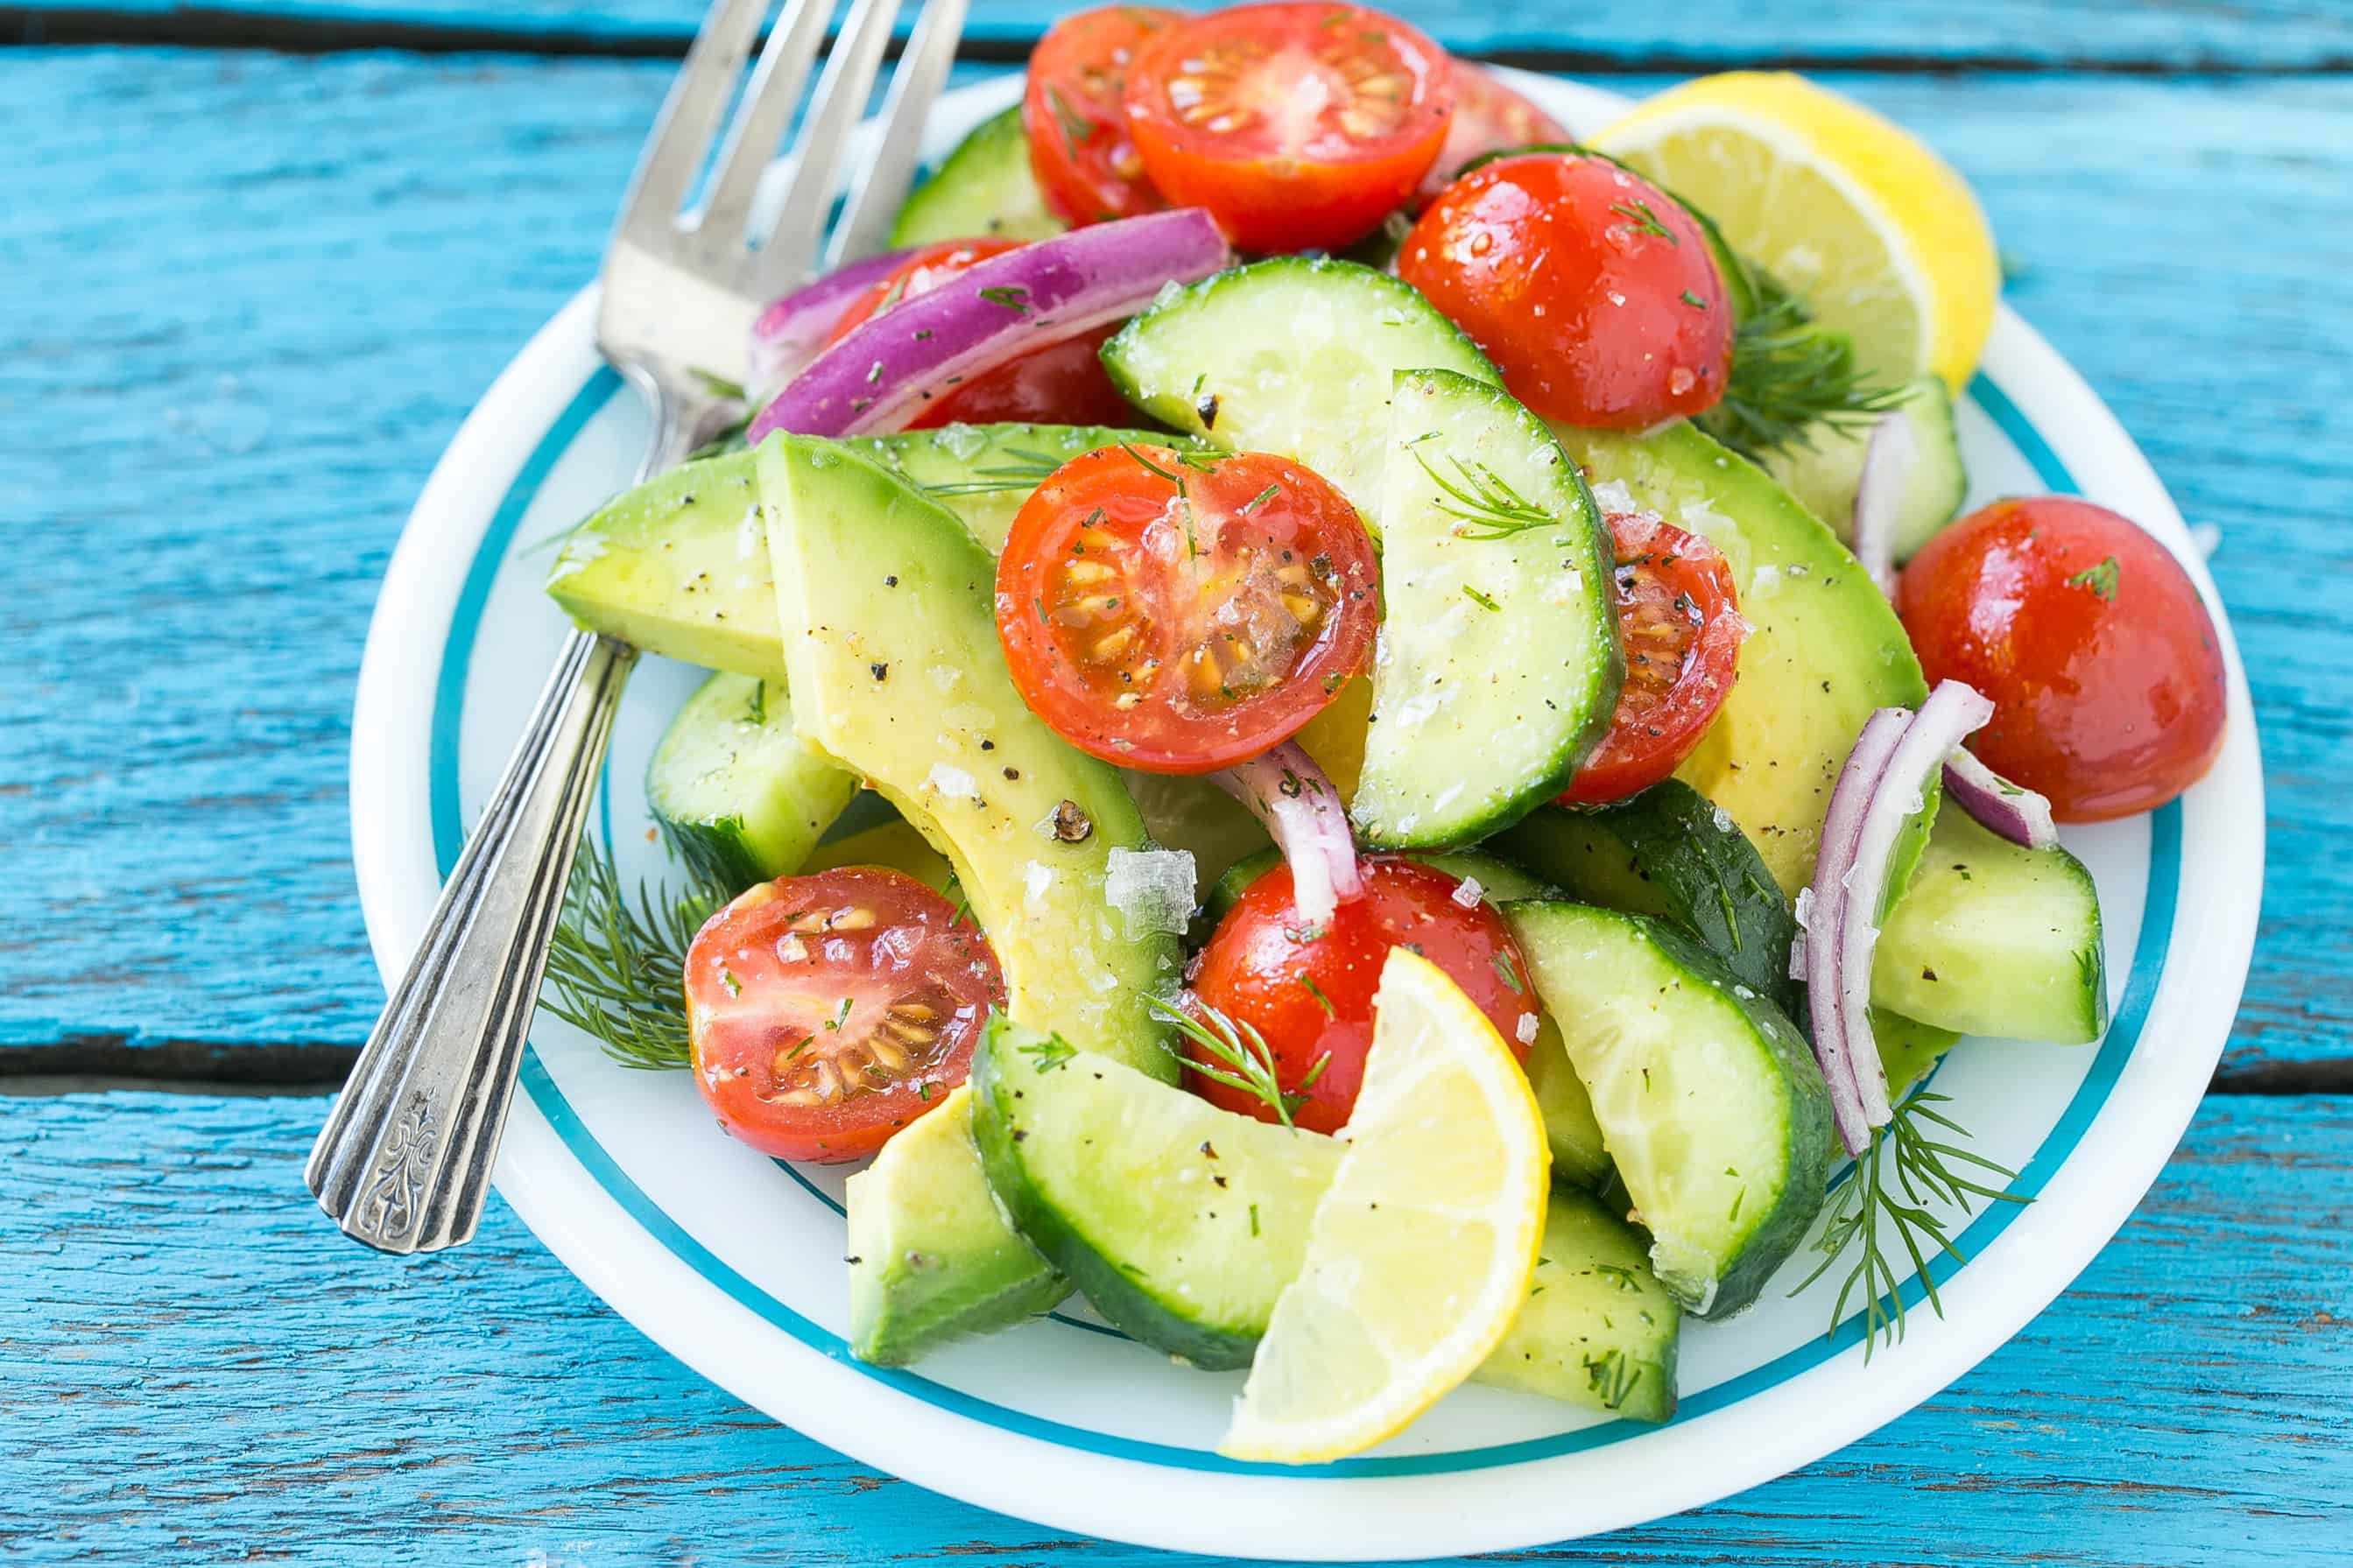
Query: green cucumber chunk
(931, 1259)
(1179, 1221)
(1992, 938)
(1598, 1329)
(1183, 1223)
(1497, 667)
(1579, 1158)
(1824, 648)
(893, 846)
(680, 565)
(738, 796)
(1670, 853)
(1825, 475)
(1289, 355)
(984, 190)
(1707, 1096)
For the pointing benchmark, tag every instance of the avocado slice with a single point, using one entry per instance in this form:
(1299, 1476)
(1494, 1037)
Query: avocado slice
(884, 603)
(1824, 647)
(680, 565)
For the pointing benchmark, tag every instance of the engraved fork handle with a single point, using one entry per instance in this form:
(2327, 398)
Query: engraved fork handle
(403, 1162)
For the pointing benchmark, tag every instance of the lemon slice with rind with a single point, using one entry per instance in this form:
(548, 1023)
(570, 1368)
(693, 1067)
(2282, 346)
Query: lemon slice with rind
(1878, 234)
(1421, 1252)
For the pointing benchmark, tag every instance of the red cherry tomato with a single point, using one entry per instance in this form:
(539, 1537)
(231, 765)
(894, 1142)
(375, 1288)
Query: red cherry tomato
(1062, 384)
(1593, 291)
(2104, 672)
(1309, 992)
(1680, 629)
(1179, 613)
(826, 1012)
(1488, 118)
(1297, 124)
(1085, 163)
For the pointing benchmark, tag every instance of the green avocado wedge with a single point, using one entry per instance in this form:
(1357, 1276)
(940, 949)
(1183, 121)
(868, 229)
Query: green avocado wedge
(1183, 1223)
(680, 566)
(1707, 1096)
(1823, 648)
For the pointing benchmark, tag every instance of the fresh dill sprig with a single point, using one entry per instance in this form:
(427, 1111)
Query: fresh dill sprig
(1241, 1056)
(617, 966)
(1484, 502)
(1904, 1169)
(1790, 375)
(1027, 471)
(1610, 1377)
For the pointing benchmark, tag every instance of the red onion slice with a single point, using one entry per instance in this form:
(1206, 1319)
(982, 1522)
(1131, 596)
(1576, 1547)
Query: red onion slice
(882, 372)
(1857, 786)
(1292, 797)
(1887, 460)
(1953, 712)
(2013, 810)
(788, 332)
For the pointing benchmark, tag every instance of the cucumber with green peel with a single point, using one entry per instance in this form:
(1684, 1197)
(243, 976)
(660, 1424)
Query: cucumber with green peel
(680, 565)
(1497, 667)
(1992, 938)
(983, 190)
(893, 846)
(1292, 355)
(737, 796)
(1668, 852)
(931, 1259)
(1183, 1223)
(1706, 1095)
(1579, 1158)
(1180, 1222)
(1825, 475)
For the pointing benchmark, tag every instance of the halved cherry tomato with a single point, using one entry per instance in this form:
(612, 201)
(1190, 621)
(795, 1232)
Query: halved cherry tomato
(1593, 290)
(2107, 681)
(1488, 118)
(1308, 990)
(1062, 384)
(1180, 612)
(1297, 124)
(1680, 629)
(827, 1011)
(1085, 163)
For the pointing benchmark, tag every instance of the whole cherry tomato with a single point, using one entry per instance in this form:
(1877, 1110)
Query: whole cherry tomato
(2104, 671)
(1084, 160)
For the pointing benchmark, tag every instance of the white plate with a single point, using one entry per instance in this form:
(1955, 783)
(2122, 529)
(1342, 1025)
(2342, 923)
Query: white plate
(732, 1263)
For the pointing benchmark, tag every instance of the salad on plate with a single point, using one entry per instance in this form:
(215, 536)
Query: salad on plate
(1358, 726)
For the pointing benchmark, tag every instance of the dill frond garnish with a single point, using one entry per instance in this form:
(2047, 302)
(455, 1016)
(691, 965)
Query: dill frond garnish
(1241, 1058)
(1905, 1170)
(1790, 378)
(616, 968)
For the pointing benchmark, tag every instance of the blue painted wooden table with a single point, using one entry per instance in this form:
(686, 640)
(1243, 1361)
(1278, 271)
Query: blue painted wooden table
(257, 259)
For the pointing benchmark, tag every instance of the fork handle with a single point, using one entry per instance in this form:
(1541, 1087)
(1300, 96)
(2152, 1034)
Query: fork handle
(403, 1162)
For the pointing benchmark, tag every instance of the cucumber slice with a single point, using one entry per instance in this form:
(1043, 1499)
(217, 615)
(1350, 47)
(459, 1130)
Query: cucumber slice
(894, 845)
(1497, 668)
(1706, 1095)
(739, 797)
(1995, 939)
(984, 190)
(1669, 853)
(930, 1258)
(1183, 1223)
(1826, 475)
(1289, 355)
(1599, 1327)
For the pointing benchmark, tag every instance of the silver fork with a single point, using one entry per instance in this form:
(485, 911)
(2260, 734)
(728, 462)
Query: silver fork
(403, 1160)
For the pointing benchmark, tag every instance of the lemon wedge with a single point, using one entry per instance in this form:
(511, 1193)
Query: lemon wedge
(1421, 1252)
(1874, 231)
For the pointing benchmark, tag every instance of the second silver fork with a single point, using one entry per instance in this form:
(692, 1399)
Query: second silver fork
(403, 1160)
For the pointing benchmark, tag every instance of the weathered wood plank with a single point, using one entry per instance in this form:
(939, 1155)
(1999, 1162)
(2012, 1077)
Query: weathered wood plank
(193, 1368)
(269, 289)
(1701, 35)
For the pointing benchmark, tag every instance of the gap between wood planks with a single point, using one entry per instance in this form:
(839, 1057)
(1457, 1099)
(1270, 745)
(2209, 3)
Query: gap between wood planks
(81, 1063)
(199, 26)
